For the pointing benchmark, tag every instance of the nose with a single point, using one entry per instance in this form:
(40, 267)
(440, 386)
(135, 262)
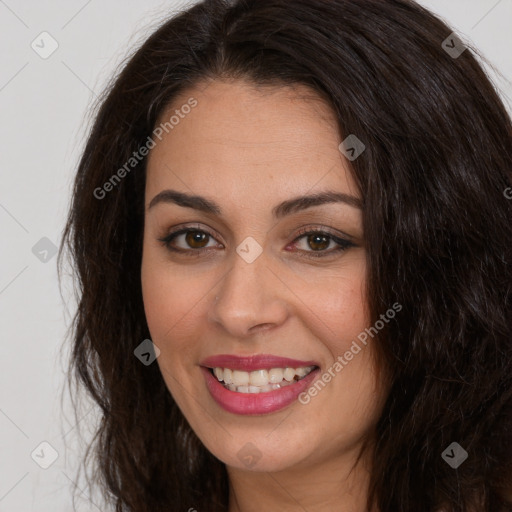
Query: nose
(250, 299)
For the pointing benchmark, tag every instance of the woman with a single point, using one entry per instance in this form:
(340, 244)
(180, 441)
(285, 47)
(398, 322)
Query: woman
(294, 249)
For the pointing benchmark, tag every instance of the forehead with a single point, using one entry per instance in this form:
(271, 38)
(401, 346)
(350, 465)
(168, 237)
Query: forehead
(249, 142)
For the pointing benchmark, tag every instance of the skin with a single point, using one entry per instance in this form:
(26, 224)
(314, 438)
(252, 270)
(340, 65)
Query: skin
(248, 148)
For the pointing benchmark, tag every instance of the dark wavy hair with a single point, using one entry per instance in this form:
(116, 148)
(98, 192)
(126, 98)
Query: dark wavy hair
(438, 233)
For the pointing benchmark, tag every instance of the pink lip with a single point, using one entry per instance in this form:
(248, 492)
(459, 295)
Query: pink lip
(251, 363)
(256, 403)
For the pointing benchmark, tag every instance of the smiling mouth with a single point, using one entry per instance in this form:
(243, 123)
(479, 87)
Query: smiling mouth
(260, 381)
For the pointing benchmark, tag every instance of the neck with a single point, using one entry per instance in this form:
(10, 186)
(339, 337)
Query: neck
(340, 483)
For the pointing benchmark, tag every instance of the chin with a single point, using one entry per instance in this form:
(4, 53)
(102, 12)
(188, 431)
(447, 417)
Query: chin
(260, 453)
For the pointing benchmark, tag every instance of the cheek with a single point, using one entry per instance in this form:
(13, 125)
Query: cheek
(165, 300)
(353, 378)
(174, 300)
(332, 304)
(335, 304)
(344, 306)
(172, 303)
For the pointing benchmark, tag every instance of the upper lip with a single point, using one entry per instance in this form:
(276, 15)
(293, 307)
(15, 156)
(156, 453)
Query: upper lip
(254, 362)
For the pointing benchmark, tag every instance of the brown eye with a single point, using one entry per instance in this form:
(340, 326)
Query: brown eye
(196, 239)
(194, 242)
(188, 241)
(318, 242)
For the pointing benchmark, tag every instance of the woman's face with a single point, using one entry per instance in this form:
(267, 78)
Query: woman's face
(246, 290)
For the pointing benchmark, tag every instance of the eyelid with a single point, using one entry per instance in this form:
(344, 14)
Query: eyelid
(341, 239)
(191, 227)
(182, 229)
(342, 242)
(335, 233)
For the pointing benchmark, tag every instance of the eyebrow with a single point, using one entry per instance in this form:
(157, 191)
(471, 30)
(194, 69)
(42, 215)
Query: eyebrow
(281, 210)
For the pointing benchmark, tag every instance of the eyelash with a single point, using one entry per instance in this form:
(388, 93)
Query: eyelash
(343, 244)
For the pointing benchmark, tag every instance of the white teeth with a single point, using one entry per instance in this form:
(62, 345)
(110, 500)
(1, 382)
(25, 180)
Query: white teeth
(258, 378)
(239, 378)
(228, 376)
(260, 381)
(275, 375)
(301, 372)
(289, 374)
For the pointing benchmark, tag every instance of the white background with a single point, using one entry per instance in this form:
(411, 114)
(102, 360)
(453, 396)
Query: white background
(43, 107)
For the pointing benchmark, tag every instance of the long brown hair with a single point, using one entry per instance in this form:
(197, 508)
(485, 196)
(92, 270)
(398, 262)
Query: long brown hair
(438, 232)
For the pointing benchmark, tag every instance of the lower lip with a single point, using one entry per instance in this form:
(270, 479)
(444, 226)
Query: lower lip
(256, 403)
